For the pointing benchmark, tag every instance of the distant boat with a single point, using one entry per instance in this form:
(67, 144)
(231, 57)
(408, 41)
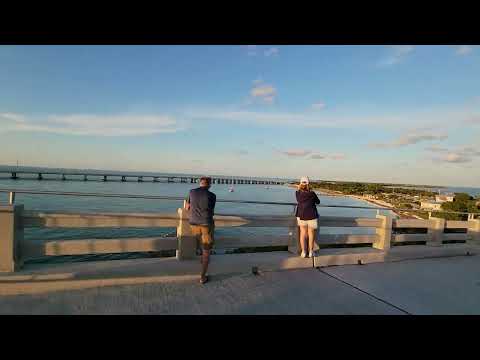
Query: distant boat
(230, 189)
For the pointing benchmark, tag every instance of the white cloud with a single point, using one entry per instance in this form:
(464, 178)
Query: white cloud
(91, 125)
(263, 92)
(241, 152)
(410, 139)
(455, 158)
(296, 153)
(251, 50)
(271, 52)
(460, 155)
(338, 157)
(425, 121)
(473, 120)
(287, 119)
(436, 148)
(397, 54)
(318, 106)
(463, 50)
(303, 153)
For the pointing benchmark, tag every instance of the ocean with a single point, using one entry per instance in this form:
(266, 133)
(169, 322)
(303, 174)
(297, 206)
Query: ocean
(276, 193)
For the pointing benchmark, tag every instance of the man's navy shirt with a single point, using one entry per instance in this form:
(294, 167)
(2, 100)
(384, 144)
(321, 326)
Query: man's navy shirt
(202, 204)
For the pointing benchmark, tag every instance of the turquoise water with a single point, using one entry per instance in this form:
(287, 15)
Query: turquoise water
(276, 193)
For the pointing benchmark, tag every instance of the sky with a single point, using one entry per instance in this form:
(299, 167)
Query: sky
(400, 114)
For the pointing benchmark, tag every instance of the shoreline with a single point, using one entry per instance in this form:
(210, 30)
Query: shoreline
(378, 203)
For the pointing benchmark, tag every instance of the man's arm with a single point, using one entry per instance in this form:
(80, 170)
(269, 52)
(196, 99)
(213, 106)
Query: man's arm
(214, 201)
(187, 202)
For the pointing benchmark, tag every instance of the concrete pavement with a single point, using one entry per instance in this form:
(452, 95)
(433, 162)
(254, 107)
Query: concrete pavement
(446, 286)
(157, 286)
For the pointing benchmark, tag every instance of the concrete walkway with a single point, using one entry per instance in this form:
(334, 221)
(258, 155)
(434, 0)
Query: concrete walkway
(154, 286)
(446, 286)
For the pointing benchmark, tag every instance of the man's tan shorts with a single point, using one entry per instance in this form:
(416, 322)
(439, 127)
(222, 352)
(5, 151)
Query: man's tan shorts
(205, 234)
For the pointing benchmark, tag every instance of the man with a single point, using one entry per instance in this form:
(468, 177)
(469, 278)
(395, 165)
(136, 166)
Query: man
(201, 203)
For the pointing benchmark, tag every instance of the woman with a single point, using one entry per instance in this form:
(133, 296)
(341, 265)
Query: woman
(307, 215)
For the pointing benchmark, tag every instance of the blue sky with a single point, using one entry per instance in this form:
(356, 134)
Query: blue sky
(408, 114)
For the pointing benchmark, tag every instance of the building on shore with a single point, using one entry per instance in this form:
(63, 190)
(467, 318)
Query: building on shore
(431, 205)
(445, 198)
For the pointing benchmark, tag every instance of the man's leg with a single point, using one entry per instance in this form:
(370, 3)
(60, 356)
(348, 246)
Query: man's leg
(207, 243)
(205, 261)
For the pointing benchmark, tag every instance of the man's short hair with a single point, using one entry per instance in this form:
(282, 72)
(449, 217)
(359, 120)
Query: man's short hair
(207, 179)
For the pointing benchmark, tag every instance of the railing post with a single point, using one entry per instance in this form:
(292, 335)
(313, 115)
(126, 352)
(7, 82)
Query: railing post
(11, 198)
(11, 235)
(384, 233)
(294, 242)
(436, 228)
(474, 231)
(187, 243)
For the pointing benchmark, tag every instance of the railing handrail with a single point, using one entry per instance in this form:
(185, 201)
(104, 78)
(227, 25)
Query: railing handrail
(178, 198)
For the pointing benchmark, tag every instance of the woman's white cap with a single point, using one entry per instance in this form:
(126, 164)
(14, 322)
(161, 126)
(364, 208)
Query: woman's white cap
(304, 180)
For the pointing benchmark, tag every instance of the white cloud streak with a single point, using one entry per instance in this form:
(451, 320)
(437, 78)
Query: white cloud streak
(318, 106)
(309, 154)
(398, 53)
(263, 92)
(91, 125)
(251, 50)
(271, 52)
(463, 50)
(409, 139)
(460, 155)
(296, 153)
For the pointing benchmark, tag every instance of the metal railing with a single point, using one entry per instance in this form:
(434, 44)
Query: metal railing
(14, 248)
(13, 192)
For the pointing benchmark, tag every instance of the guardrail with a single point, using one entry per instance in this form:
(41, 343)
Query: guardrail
(13, 192)
(14, 249)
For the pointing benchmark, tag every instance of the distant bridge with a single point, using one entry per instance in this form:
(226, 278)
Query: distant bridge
(86, 176)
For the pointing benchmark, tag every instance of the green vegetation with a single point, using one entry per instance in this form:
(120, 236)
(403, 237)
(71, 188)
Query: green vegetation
(367, 189)
(404, 198)
(463, 203)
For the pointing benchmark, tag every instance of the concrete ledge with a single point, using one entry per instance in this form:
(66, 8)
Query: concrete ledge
(346, 256)
(411, 252)
(34, 279)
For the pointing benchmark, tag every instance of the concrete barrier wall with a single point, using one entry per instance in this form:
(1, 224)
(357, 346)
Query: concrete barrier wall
(13, 219)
